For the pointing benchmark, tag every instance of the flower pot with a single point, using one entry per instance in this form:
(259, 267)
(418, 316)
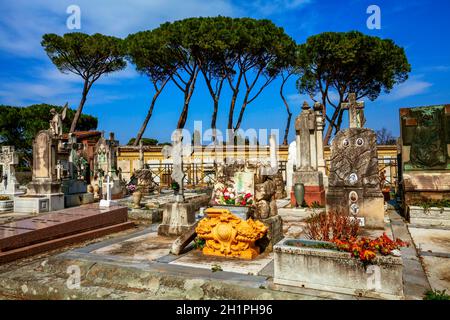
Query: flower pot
(137, 196)
(299, 193)
(332, 270)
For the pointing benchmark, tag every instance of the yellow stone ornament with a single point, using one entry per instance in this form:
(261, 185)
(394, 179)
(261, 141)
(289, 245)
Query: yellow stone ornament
(229, 236)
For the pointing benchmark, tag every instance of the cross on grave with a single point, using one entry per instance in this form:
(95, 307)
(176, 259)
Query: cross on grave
(355, 111)
(108, 185)
(8, 159)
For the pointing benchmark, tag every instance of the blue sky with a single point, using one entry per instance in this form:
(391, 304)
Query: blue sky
(120, 100)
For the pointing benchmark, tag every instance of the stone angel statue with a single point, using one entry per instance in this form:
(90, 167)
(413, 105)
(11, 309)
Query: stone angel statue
(56, 123)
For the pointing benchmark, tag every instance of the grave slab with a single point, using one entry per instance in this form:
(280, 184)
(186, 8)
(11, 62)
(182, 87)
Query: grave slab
(196, 259)
(59, 224)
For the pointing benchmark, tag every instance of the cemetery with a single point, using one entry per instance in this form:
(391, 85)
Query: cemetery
(330, 213)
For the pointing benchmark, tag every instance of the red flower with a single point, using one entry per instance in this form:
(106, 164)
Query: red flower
(248, 195)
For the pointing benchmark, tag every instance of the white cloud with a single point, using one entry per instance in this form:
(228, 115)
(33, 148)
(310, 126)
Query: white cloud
(413, 86)
(24, 22)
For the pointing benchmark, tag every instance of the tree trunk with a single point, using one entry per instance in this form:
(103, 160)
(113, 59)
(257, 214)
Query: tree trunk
(331, 124)
(241, 113)
(76, 118)
(149, 115)
(339, 122)
(233, 101)
(214, 119)
(187, 98)
(288, 122)
(286, 131)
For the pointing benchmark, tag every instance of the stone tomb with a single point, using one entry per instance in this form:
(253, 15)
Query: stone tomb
(73, 173)
(8, 161)
(44, 191)
(354, 182)
(425, 153)
(47, 232)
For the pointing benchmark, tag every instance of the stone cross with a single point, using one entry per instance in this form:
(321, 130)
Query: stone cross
(355, 111)
(108, 185)
(8, 159)
(304, 125)
(320, 124)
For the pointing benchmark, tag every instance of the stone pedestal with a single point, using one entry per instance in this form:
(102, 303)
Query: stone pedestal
(370, 206)
(75, 193)
(178, 218)
(274, 233)
(39, 203)
(314, 188)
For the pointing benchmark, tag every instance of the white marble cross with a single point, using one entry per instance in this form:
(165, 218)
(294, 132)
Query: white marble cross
(355, 111)
(108, 185)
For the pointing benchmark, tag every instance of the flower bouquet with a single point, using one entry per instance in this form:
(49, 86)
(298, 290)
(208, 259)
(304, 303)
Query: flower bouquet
(228, 196)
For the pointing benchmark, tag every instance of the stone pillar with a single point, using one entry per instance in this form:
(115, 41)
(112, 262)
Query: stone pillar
(321, 167)
(307, 173)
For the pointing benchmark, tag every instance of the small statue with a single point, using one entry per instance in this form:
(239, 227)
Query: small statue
(56, 123)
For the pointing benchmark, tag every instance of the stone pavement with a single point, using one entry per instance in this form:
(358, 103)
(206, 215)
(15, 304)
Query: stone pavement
(433, 246)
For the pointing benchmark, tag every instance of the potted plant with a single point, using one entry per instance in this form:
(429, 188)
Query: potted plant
(175, 186)
(6, 204)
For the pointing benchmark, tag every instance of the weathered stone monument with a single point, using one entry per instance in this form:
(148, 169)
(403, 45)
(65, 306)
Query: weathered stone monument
(179, 215)
(354, 182)
(74, 185)
(8, 161)
(310, 163)
(425, 159)
(44, 191)
(105, 164)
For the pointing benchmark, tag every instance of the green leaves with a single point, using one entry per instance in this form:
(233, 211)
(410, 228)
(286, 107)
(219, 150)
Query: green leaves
(19, 125)
(89, 56)
(351, 62)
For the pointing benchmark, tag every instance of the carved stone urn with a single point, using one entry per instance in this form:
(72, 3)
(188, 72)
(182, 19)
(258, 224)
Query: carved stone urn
(96, 190)
(137, 196)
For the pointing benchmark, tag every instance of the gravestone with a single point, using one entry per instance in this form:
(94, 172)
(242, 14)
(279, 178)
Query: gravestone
(354, 182)
(105, 164)
(8, 161)
(44, 191)
(307, 171)
(178, 215)
(74, 185)
(425, 153)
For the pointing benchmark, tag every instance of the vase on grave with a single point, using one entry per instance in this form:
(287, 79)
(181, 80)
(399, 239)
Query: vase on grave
(299, 192)
(137, 197)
